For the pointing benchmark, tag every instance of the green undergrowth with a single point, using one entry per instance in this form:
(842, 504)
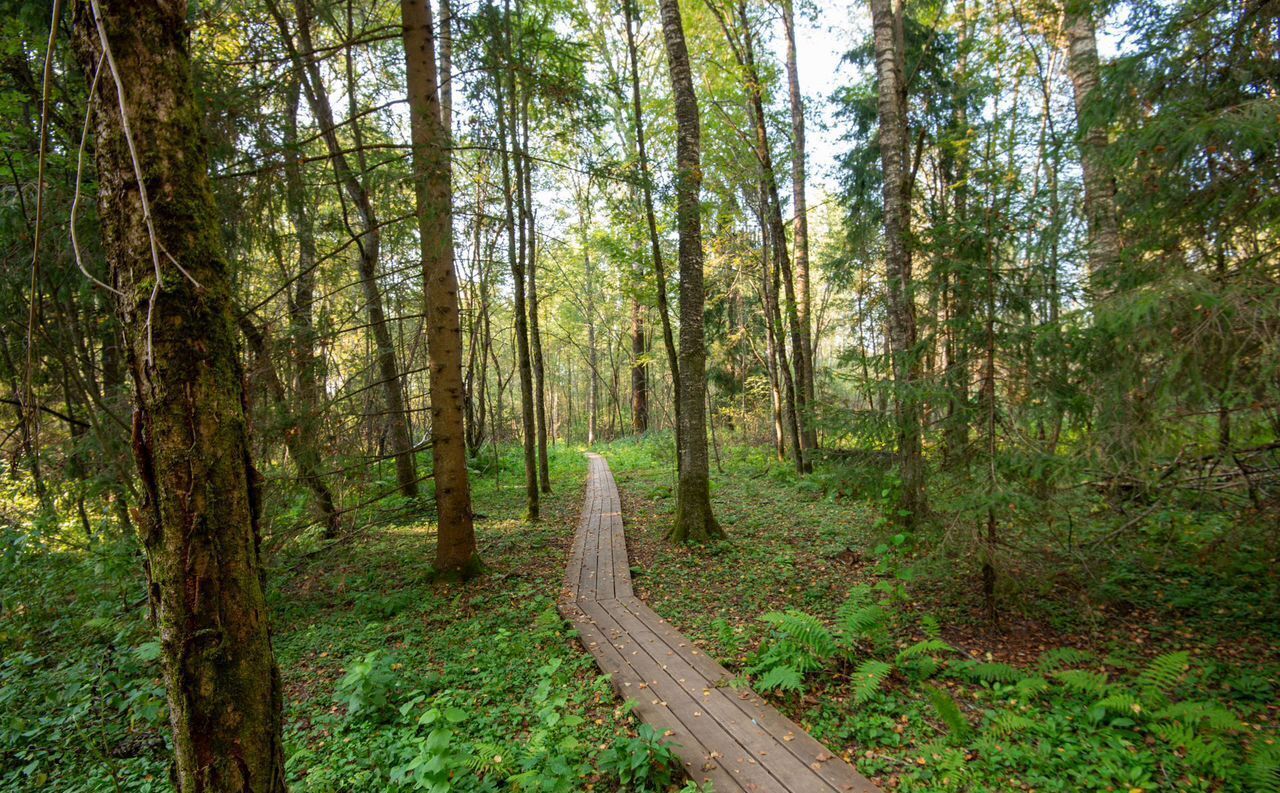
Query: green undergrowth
(819, 602)
(394, 681)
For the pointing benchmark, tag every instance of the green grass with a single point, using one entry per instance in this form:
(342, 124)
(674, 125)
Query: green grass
(909, 684)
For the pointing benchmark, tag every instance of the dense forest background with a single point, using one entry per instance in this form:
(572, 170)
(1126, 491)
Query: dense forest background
(1010, 363)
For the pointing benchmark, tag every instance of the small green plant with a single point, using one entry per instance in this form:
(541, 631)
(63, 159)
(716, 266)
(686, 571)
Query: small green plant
(642, 763)
(366, 687)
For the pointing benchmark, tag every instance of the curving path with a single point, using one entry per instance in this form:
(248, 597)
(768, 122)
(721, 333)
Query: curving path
(730, 737)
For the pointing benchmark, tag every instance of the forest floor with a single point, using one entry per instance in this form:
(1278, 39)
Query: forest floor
(370, 646)
(1049, 702)
(395, 681)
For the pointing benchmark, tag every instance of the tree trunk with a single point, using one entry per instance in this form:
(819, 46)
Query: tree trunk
(694, 521)
(1099, 188)
(800, 228)
(515, 254)
(198, 515)
(646, 186)
(639, 373)
(955, 436)
(887, 22)
(455, 536)
(535, 333)
(782, 261)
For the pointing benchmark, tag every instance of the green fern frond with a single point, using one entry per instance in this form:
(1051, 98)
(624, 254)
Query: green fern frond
(1008, 722)
(1121, 703)
(949, 712)
(1063, 657)
(781, 678)
(1174, 733)
(805, 631)
(928, 647)
(1211, 755)
(930, 627)
(989, 672)
(1083, 681)
(864, 621)
(1029, 688)
(1263, 767)
(1164, 672)
(1197, 714)
(868, 678)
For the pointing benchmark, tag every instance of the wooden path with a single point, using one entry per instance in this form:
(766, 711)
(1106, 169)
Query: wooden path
(730, 737)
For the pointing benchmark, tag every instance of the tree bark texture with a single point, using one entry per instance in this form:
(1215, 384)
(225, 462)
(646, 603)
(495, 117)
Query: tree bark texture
(694, 520)
(198, 512)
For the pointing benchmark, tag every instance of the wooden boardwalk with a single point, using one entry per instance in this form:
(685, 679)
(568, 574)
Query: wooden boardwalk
(730, 737)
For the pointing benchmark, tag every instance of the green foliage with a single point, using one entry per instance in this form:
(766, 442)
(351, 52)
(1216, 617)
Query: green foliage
(366, 688)
(643, 763)
(868, 678)
(948, 711)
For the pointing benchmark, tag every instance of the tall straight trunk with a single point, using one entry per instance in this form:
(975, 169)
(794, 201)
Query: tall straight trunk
(1119, 417)
(782, 260)
(772, 283)
(515, 255)
(446, 68)
(535, 333)
(199, 507)
(955, 436)
(771, 364)
(651, 222)
(303, 409)
(1099, 187)
(694, 520)
(800, 228)
(639, 372)
(366, 232)
(887, 22)
(455, 537)
(593, 391)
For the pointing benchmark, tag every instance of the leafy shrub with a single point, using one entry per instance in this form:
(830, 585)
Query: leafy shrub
(643, 763)
(367, 686)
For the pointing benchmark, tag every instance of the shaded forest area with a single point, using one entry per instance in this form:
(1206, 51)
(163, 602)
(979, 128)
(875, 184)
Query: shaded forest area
(942, 389)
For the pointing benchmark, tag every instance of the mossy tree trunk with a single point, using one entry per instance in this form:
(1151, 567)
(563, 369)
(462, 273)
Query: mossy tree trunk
(694, 521)
(198, 511)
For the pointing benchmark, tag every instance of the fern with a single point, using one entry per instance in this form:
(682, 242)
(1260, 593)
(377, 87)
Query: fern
(1263, 767)
(1164, 672)
(1030, 687)
(868, 678)
(805, 634)
(949, 712)
(781, 678)
(1199, 714)
(1174, 733)
(1007, 722)
(929, 625)
(923, 649)
(1063, 657)
(1083, 681)
(988, 672)
(1210, 754)
(860, 616)
(1121, 703)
